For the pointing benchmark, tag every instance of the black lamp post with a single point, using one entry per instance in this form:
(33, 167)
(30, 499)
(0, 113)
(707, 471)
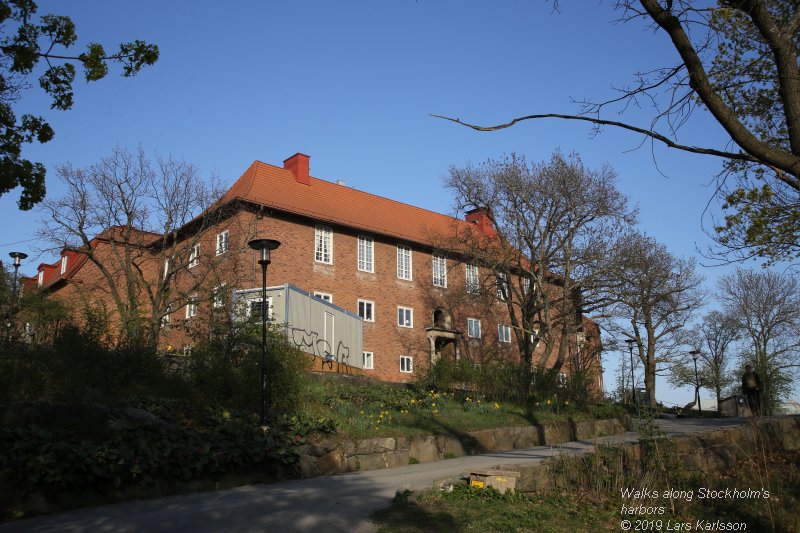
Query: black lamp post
(633, 383)
(694, 354)
(264, 246)
(17, 257)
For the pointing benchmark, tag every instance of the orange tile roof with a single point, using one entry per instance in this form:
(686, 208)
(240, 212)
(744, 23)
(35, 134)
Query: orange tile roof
(322, 200)
(76, 259)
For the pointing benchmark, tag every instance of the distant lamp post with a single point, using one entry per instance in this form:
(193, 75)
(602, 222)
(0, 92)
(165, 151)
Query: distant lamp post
(633, 383)
(17, 257)
(264, 247)
(694, 354)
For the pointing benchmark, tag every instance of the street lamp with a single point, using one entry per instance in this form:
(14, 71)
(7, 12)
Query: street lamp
(264, 246)
(633, 383)
(17, 257)
(694, 354)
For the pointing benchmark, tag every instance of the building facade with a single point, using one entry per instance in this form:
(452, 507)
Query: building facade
(389, 263)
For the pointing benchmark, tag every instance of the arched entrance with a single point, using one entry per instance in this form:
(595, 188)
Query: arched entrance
(442, 334)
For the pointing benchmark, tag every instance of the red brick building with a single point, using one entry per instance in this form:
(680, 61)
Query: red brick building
(382, 259)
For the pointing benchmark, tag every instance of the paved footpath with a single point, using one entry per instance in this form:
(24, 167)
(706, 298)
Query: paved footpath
(325, 504)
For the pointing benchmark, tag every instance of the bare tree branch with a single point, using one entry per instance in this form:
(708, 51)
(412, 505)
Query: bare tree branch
(741, 156)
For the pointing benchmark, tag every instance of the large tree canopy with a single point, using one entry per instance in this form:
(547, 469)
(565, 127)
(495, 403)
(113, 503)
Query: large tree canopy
(655, 295)
(738, 62)
(26, 39)
(555, 222)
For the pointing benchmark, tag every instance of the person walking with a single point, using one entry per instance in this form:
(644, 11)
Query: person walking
(751, 388)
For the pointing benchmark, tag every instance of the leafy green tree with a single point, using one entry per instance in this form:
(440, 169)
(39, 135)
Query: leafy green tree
(766, 308)
(737, 61)
(714, 337)
(26, 40)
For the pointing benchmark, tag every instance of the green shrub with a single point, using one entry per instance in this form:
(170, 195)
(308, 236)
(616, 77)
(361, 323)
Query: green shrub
(235, 381)
(79, 367)
(182, 443)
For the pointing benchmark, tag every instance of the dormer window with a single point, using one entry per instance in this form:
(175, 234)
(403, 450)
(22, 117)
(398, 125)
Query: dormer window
(63, 264)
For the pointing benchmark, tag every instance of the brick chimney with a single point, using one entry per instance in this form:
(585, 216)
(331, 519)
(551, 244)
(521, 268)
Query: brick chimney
(298, 165)
(480, 217)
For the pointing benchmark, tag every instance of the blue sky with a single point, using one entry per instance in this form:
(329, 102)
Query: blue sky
(352, 85)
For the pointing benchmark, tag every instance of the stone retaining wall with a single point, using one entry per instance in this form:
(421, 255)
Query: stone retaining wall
(709, 452)
(373, 454)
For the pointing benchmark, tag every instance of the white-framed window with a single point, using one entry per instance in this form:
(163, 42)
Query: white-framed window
(473, 281)
(404, 262)
(191, 307)
(63, 264)
(474, 328)
(367, 360)
(439, 271)
(527, 285)
(222, 242)
(186, 351)
(323, 247)
(366, 254)
(366, 310)
(405, 317)
(219, 296)
(502, 285)
(406, 364)
(40, 279)
(165, 319)
(194, 255)
(324, 296)
(503, 333)
(562, 379)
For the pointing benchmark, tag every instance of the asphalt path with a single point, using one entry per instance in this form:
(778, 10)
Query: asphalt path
(326, 504)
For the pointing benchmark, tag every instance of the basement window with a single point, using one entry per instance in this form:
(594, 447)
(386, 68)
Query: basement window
(367, 360)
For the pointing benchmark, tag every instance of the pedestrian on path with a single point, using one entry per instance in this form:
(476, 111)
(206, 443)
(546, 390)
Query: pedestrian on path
(751, 388)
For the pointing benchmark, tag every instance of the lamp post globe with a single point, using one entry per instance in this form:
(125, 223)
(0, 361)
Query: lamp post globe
(17, 257)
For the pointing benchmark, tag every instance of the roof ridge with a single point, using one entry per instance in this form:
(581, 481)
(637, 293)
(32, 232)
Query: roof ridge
(360, 191)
